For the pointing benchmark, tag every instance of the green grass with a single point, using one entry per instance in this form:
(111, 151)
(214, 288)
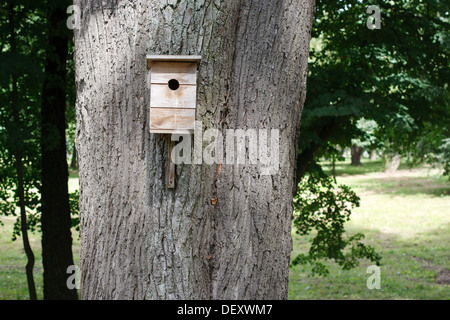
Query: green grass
(13, 281)
(406, 217)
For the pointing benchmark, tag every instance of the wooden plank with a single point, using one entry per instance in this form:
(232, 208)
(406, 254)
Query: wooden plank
(171, 119)
(172, 131)
(163, 97)
(183, 72)
(151, 58)
(170, 172)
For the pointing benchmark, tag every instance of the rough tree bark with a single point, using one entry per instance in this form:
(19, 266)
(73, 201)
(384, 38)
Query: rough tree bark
(140, 240)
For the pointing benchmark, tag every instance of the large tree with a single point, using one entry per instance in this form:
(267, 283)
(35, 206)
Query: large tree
(224, 232)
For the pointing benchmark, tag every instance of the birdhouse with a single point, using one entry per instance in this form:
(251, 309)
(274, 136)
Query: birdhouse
(173, 93)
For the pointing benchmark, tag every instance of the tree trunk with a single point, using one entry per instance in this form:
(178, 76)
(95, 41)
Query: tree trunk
(56, 221)
(224, 232)
(19, 162)
(392, 162)
(356, 155)
(373, 155)
(333, 168)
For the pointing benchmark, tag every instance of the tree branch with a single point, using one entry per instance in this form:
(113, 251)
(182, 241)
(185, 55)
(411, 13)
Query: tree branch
(307, 155)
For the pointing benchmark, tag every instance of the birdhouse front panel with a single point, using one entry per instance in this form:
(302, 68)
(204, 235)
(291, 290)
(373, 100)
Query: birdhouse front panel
(164, 97)
(183, 72)
(165, 120)
(173, 93)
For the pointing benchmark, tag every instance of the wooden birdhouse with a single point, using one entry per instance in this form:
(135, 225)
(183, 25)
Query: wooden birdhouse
(173, 93)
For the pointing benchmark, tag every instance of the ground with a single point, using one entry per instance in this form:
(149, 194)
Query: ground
(404, 215)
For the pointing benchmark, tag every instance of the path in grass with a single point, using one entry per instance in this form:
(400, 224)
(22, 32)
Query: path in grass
(406, 217)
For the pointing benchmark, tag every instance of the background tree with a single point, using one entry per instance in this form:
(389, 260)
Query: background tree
(142, 240)
(19, 103)
(56, 220)
(33, 167)
(366, 141)
(396, 76)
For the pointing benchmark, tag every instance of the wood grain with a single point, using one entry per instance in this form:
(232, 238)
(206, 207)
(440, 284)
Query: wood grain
(184, 72)
(171, 119)
(163, 97)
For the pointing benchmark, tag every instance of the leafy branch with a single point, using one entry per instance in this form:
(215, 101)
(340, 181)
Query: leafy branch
(324, 206)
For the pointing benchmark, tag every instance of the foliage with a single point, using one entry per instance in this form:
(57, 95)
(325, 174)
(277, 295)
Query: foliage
(396, 76)
(33, 218)
(367, 139)
(26, 65)
(74, 198)
(324, 206)
(386, 88)
(444, 156)
(21, 76)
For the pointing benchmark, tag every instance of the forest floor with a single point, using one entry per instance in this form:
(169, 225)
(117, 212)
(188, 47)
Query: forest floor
(404, 215)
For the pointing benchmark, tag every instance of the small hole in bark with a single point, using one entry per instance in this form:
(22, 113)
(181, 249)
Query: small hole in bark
(174, 84)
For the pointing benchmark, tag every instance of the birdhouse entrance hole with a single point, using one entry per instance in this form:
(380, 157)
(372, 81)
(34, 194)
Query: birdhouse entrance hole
(174, 84)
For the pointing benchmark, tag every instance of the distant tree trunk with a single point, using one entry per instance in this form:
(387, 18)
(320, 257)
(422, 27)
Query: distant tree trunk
(392, 162)
(356, 155)
(333, 169)
(19, 164)
(373, 155)
(56, 221)
(224, 232)
(73, 161)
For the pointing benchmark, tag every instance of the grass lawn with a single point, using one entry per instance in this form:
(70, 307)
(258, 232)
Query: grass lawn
(405, 216)
(13, 281)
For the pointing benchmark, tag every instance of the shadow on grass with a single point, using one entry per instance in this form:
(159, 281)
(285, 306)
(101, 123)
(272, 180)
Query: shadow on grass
(422, 257)
(403, 186)
(367, 166)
